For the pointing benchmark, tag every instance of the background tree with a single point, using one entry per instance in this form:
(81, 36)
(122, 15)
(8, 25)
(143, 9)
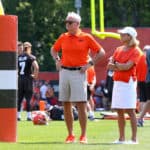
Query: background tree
(41, 22)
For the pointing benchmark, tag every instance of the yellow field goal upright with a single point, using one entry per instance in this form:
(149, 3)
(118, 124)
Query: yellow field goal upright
(1, 8)
(100, 34)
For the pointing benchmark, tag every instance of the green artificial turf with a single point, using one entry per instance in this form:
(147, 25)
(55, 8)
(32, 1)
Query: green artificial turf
(100, 133)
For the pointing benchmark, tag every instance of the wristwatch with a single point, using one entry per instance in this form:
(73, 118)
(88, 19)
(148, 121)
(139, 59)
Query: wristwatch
(91, 63)
(57, 59)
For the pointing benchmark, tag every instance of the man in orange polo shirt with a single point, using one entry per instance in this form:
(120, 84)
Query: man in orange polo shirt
(146, 107)
(141, 70)
(75, 46)
(91, 79)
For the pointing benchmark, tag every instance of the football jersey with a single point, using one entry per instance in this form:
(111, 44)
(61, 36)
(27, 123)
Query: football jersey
(25, 64)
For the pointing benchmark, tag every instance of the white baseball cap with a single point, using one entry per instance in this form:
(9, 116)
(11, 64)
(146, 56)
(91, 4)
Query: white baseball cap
(146, 47)
(128, 30)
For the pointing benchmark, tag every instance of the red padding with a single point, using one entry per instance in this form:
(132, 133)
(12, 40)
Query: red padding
(8, 125)
(8, 33)
(8, 43)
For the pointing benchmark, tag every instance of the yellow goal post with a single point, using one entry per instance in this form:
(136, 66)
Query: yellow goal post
(1, 8)
(101, 33)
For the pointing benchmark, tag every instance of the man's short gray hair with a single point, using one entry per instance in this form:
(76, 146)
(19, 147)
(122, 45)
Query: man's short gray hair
(72, 16)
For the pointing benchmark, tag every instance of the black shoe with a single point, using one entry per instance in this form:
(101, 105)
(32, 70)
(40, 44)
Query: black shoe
(18, 119)
(29, 119)
(140, 123)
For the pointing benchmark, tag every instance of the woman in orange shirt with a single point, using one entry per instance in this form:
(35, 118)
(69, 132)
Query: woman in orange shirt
(146, 107)
(141, 70)
(124, 97)
(75, 46)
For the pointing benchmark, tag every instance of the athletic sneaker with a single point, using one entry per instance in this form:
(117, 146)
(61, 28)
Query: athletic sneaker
(132, 142)
(83, 139)
(119, 142)
(91, 118)
(19, 119)
(140, 123)
(29, 119)
(70, 139)
(91, 115)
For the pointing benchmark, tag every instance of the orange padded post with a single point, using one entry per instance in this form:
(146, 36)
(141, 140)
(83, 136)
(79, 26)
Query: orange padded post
(8, 78)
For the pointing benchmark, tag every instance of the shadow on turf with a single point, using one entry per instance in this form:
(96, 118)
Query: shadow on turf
(40, 142)
(101, 144)
(63, 143)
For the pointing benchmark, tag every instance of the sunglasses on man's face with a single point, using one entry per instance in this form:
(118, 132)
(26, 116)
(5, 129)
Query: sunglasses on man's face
(69, 22)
